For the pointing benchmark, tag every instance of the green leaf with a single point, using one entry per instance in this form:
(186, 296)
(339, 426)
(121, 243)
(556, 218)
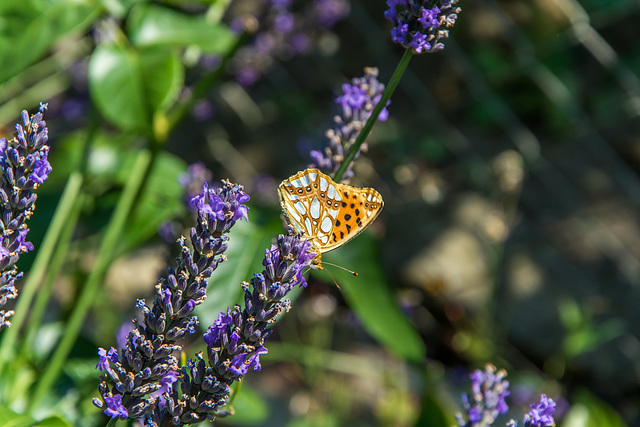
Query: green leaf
(129, 85)
(371, 299)
(53, 422)
(163, 76)
(433, 414)
(11, 419)
(587, 410)
(29, 29)
(162, 199)
(117, 88)
(150, 25)
(250, 408)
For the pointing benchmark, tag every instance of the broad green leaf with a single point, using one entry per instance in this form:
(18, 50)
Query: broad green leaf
(163, 76)
(29, 29)
(129, 85)
(250, 408)
(117, 88)
(433, 414)
(53, 422)
(587, 410)
(370, 298)
(321, 419)
(151, 25)
(162, 199)
(11, 419)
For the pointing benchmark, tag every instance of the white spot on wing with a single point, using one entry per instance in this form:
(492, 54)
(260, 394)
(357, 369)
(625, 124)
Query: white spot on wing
(314, 209)
(300, 207)
(333, 213)
(331, 192)
(323, 184)
(324, 239)
(312, 176)
(304, 179)
(326, 224)
(294, 214)
(307, 224)
(296, 183)
(292, 196)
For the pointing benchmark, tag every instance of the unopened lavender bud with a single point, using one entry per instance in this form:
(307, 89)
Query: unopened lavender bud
(175, 333)
(97, 403)
(187, 308)
(138, 410)
(145, 389)
(129, 382)
(162, 352)
(160, 370)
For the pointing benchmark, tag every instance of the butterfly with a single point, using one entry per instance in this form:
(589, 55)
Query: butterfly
(327, 213)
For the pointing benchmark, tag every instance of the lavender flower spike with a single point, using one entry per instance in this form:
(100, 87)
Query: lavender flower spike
(146, 364)
(237, 338)
(357, 101)
(419, 25)
(489, 390)
(24, 164)
(541, 413)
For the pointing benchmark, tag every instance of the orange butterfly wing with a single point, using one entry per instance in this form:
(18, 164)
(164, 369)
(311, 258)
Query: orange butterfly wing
(327, 213)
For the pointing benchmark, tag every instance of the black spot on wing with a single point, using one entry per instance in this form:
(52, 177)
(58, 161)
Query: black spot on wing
(347, 217)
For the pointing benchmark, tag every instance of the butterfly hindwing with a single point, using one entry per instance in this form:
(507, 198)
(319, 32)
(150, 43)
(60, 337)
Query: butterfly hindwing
(328, 213)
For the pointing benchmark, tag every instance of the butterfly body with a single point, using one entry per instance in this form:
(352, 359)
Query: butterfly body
(327, 213)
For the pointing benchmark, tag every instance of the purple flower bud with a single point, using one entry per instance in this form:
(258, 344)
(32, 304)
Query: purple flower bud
(541, 413)
(417, 23)
(115, 408)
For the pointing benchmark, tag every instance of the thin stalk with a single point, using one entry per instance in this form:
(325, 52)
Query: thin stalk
(40, 264)
(366, 130)
(111, 239)
(55, 267)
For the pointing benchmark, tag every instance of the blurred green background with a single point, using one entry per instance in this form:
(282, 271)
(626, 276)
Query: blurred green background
(508, 166)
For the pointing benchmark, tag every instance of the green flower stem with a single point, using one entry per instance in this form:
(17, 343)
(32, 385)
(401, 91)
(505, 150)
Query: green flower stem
(366, 130)
(136, 181)
(40, 264)
(57, 262)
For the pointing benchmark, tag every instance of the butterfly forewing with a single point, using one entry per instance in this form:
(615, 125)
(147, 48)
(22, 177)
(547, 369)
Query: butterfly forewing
(328, 213)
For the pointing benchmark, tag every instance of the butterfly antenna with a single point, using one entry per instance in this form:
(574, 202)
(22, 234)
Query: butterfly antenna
(340, 267)
(334, 280)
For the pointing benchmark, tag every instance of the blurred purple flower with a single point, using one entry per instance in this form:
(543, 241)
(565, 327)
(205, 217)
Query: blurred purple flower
(203, 110)
(489, 390)
(541, 413)
(420, 24)
(357, 101)
(329, 12)
(281, 32)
